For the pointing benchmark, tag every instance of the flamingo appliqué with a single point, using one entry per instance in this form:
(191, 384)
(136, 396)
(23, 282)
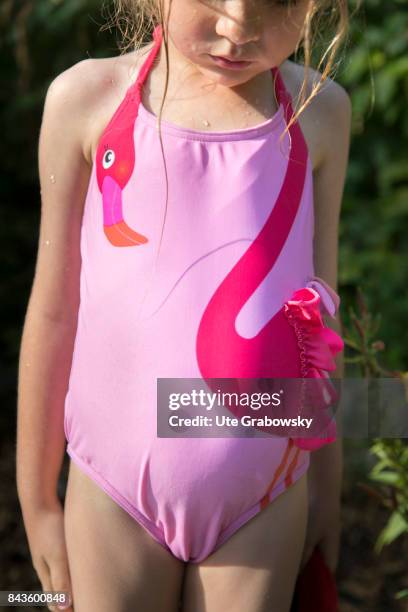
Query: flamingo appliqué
(276, 351)
(115, 161)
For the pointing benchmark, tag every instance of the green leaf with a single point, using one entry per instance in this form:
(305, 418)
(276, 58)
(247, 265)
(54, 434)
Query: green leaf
(394, 528)
(390, 478)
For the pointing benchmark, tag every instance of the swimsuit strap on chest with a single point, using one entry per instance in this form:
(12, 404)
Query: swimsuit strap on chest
(157, 37)
(282, 95)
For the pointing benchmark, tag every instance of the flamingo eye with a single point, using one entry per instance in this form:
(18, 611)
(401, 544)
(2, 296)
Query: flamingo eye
(108, 159)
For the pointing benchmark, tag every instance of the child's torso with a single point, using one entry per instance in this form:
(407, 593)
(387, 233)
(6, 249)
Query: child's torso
(202, 299)
(205, 297)
(237, 232)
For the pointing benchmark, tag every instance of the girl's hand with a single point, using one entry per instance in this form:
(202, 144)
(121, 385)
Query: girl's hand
(46, 538)
(323, 530)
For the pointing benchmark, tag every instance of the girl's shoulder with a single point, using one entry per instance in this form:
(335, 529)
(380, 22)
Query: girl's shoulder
(328, 112)
(92, 89)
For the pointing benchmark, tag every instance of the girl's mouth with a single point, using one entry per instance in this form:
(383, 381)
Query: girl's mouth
(224, 63)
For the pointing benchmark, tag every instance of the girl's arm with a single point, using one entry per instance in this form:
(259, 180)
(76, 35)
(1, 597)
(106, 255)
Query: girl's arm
(51, 318)
(326, 464)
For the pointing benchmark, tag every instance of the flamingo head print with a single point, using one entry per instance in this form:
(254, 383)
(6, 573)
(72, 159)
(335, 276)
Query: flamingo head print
(115, 162)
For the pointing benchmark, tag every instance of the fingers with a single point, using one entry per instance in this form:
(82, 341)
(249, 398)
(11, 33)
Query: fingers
(60, 580)
(55, 578)
(44, 576)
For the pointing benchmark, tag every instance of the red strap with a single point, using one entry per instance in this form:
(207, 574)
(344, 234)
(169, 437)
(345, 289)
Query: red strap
(143, 71)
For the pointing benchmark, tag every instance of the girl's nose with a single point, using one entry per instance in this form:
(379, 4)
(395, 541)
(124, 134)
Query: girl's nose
(240, 22)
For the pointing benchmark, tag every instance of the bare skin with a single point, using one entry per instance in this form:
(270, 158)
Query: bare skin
(112, 558)
(256, 569)
(113, 561)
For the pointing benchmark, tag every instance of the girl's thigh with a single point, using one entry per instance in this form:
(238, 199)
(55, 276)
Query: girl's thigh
(256, 569)
(115, 565)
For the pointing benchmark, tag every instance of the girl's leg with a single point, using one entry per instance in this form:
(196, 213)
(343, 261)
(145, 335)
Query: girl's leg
(256, 569)
(115, 565)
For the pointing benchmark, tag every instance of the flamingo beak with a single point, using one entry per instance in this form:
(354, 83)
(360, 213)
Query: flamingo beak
(116, 229)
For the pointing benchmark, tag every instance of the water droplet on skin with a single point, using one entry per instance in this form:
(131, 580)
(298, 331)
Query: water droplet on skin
(27, 365)
(206, 123)
(52, 178)
(47, 242)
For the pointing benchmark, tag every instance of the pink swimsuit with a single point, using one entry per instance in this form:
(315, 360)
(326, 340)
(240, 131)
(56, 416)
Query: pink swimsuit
(231, 294)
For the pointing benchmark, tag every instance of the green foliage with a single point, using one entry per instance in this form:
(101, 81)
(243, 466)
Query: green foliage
(391, 472)
(361, 338)
(402, 594)
(374, 221)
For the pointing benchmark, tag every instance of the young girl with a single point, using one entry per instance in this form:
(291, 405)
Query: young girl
(205, 248)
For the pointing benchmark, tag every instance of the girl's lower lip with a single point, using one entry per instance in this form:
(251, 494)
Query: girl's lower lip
(227, 64)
